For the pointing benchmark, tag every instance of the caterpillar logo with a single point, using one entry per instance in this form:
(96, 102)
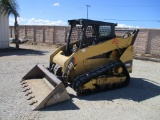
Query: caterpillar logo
(114, 41)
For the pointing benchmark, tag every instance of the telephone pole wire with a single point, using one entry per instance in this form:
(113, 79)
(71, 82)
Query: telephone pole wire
(87, 10)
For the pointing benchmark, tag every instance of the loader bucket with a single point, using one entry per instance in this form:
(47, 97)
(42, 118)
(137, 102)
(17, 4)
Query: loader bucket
(43, 88)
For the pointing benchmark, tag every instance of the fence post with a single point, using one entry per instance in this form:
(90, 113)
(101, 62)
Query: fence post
(25, 30)
(43, 34)
(54, 35)
(34, 33)
(148, 46)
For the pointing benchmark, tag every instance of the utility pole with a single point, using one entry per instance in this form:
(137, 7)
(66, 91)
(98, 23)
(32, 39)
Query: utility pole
(87, 10)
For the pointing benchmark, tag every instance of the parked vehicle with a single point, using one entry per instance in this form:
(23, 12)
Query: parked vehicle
(21, 40)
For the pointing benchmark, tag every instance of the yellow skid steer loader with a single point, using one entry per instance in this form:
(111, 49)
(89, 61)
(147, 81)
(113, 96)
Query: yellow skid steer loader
(93, 59)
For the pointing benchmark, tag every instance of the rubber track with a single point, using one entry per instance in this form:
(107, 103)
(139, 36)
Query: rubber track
(84, 78)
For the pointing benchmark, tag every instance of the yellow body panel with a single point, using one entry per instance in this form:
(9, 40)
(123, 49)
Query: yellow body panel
(101, 48)
(127, 56)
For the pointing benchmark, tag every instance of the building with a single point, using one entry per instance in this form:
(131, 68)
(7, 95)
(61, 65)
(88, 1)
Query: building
(4, 31)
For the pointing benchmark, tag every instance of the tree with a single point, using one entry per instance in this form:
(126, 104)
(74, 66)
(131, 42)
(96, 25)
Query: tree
(11, 7)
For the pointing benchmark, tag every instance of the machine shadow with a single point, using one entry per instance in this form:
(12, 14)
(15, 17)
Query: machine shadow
(66, 105)
(139, 89)
(19, 52)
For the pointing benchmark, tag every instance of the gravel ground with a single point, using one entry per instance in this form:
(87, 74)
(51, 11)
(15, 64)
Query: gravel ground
(140, 100)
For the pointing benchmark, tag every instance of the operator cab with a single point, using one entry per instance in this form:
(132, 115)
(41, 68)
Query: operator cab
(88, 32)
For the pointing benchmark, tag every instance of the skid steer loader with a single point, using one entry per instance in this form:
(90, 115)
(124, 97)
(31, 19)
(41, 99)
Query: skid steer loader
(93, 59)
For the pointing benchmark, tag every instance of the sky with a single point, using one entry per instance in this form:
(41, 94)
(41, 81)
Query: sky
(127, 13)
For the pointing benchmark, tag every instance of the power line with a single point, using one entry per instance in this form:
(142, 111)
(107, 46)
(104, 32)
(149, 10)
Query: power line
(134, 20)
(78, 7)
(132, 6)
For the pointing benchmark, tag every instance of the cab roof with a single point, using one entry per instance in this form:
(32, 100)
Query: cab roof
(90, 22)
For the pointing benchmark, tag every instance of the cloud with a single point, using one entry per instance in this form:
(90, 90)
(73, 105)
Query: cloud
(19, 19)
(56, 4)
(11, 21)
(126, 26)
(34, 21)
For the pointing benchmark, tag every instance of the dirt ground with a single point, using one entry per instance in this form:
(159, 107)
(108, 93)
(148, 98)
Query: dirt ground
(140, 100)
